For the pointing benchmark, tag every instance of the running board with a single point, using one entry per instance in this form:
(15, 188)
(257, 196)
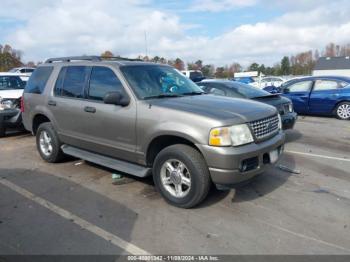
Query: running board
(106, 161)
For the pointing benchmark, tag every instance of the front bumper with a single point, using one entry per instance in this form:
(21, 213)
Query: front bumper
(288, 120)
(10, 117)
(226, 164)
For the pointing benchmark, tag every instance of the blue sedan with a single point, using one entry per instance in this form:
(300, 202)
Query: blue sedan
(320, 95)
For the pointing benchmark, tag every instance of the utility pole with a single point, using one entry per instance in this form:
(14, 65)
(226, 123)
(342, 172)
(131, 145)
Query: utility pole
(146, 46)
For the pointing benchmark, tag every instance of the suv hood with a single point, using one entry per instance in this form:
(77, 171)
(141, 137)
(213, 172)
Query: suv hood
(229, 110)
(11, 94)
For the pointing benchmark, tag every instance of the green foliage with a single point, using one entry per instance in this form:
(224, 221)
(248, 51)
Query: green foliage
(9, 58)
(285, 66)
(254, 67)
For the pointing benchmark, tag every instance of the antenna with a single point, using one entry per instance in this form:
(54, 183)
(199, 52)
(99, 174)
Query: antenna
(146, 47)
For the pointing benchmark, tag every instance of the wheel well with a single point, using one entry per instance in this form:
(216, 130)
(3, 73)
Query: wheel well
(38, 120)
(162, 142)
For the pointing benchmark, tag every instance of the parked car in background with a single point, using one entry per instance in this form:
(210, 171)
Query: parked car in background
(11, 91)
(320, 95)
(144, 118)
(194, 75)
(244, 80)
(268, 82)
(240, 90)
(24, 72)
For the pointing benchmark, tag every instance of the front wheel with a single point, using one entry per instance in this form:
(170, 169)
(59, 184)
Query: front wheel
(181, 176)
(342, 111)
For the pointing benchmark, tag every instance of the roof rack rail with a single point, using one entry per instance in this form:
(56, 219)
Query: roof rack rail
(89, 58)
(119, 58)
(73, 58)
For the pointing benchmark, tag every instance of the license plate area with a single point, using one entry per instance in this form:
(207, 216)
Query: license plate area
(273, 156)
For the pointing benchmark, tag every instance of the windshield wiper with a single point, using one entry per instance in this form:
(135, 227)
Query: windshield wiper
(163, 96)
(194, 93)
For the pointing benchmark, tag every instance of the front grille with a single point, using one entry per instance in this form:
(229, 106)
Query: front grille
(265, 127)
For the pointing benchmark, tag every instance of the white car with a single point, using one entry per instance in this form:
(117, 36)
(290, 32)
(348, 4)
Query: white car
(23, 72)
(194, 75)
(11, 91)
(269, 81)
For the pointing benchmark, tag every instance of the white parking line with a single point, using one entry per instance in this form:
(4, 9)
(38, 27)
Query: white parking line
(117, 241)
(315, 155)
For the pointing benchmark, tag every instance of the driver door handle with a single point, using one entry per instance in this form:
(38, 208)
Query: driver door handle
(90, 109)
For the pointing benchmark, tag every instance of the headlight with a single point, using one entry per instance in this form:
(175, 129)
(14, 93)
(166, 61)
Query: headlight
(279, 122)
(290, 107)
(6, 104)
(230, 136)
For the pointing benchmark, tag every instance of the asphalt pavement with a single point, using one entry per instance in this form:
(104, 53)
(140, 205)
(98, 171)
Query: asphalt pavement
(73, 207)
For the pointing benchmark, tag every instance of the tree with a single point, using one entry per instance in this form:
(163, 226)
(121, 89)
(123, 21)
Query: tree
(156, 59)
(208, 70)
(107, 54)
(179, 64)
(199, 64)
(222, 72)
(254, 67)
(191, 66)
(162, 60)
(9, 58)
(30, 64)
(262, 69)
(285, 66)
(330, 50)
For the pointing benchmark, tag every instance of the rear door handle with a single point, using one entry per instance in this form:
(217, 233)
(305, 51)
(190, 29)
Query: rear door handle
(52, 103)
(90, 109)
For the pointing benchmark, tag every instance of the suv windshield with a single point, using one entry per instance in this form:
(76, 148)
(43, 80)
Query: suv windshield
(247, 90)
(158, 81)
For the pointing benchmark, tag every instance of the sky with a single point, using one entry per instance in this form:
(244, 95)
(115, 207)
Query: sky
(218, 32)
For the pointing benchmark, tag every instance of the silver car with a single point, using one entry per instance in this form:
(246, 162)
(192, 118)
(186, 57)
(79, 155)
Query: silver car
(149, 119)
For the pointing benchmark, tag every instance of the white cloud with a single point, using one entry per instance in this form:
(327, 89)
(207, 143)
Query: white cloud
(220, 5)
(71, 27)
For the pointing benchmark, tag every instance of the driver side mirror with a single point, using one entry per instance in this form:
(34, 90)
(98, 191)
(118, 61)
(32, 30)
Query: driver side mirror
(286, 90)
(116, 98)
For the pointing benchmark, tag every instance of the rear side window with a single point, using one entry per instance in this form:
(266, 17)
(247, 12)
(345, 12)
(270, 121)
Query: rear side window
(74, 81)
(38, 80)
(326, 85)
(102, 81)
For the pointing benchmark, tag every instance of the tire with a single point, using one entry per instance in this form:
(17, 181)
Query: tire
(194, 173)
(2, 131)
(46, 137)
(342, 111)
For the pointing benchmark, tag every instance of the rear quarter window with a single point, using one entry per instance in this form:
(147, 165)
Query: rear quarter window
(38, 80)
(74, 81)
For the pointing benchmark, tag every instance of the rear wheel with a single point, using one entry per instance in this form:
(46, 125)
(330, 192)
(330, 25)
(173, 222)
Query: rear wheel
(181, 176)
(342, 111)
(48, 144)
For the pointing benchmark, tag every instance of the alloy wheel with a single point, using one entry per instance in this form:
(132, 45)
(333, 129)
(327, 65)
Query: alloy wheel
(343, 111)
(175, 178)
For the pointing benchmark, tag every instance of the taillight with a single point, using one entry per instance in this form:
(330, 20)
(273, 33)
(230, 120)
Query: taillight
(22, 104)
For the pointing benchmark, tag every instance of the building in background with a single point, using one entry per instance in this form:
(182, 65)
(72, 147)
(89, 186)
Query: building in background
(332, 66)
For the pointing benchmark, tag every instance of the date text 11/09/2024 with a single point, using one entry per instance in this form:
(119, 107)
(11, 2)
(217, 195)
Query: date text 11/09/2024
(172, 258)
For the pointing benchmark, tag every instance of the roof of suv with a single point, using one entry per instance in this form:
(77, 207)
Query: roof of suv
(119, 61)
